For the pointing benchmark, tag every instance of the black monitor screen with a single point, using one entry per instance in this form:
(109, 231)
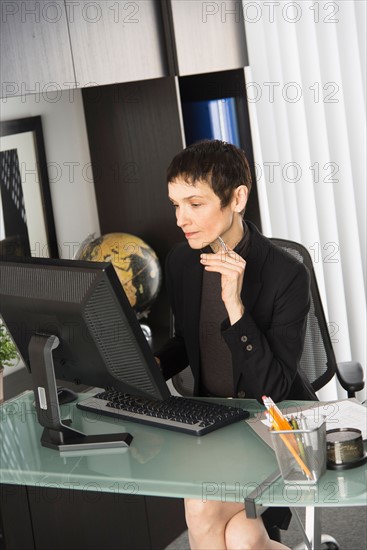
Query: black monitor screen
(85, 306)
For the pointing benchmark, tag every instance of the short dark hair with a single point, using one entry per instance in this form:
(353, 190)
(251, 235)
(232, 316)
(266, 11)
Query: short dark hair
(222, 165)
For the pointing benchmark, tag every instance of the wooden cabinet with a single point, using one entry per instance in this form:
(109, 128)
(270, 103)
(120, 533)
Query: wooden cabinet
(35, 48)
(60, 518)
(116, 41)
(48, 46)
(42, 43)
(134, 130)
(208, 36)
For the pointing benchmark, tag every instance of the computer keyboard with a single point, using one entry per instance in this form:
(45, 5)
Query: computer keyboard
(180, 414)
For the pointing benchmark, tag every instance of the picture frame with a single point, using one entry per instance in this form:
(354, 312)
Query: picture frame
(27, 226)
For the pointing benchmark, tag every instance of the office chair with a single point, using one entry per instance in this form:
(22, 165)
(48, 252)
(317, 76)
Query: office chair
(318, 360)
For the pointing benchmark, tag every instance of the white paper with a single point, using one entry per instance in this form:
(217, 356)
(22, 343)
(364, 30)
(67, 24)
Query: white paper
(341, 414)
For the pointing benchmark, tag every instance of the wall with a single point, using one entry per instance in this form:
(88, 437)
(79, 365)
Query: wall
(69, 164)
(68, 161)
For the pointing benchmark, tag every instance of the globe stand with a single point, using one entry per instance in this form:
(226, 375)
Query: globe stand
(147, 333)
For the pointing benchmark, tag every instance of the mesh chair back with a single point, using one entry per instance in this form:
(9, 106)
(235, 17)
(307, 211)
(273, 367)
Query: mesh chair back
(183, 382)
(318, 360)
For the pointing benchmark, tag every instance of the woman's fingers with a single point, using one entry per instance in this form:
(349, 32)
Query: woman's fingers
(223, 263)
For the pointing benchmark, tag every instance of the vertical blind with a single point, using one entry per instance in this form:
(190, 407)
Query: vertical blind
(306, 88)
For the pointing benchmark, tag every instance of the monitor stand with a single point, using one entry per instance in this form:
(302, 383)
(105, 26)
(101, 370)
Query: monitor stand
(58, 434)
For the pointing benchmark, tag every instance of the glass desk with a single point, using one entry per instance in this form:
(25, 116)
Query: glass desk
(229, 464)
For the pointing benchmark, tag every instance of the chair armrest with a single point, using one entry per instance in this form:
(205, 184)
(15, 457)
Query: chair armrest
(350, 376)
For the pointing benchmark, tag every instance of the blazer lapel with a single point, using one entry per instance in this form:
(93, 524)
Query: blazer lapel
(252, 282)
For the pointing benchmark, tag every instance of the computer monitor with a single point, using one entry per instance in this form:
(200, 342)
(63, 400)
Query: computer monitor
(71, 320)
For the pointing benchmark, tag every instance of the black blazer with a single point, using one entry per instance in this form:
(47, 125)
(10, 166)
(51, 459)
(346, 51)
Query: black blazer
(266, 343)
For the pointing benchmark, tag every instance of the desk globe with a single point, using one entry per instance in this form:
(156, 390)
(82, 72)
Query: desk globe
(135, 263)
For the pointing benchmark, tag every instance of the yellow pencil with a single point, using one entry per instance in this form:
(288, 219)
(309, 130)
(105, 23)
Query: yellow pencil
(296, 456)
(299, 439)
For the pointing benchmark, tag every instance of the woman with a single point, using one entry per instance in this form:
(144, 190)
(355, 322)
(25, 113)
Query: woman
(240, 307)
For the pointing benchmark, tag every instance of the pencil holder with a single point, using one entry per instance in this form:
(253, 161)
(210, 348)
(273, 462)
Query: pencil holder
(301, 454)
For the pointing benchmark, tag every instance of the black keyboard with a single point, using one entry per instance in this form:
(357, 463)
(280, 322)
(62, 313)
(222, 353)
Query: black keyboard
(180, 414)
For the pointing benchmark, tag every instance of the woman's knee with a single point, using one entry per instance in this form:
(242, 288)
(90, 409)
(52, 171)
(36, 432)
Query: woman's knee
(199, 514)
(204, 517)
(245, 534)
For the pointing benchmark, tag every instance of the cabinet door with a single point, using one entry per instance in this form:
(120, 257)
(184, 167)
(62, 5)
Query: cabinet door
(116, 41)
(134, 130)
(35, 48)
(208, 36)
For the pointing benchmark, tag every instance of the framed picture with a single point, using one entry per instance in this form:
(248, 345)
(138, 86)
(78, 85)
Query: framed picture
(27, 225)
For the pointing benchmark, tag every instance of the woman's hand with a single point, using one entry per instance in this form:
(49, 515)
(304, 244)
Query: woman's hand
(232, 267)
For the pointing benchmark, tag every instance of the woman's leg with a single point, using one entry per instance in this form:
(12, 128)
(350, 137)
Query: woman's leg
(206, 522)
(215, 525)
(245, 534)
